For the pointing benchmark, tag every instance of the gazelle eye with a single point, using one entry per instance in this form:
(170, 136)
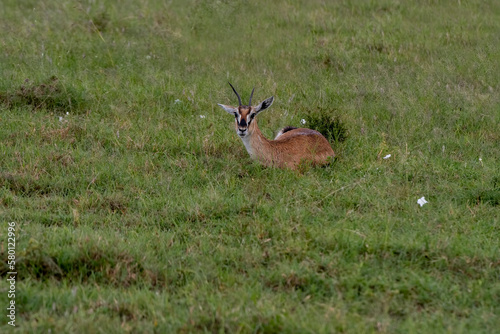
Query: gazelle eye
(252, 116)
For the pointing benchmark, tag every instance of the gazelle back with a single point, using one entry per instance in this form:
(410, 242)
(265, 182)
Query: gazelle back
(291, 146)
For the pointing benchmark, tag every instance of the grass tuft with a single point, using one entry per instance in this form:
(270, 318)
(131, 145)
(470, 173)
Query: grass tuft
(328, 125)
(49, 95)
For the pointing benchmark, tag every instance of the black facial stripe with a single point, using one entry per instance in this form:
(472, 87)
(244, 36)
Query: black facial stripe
(250, 119)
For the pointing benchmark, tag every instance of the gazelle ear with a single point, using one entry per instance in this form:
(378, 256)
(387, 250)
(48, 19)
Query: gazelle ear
(264, 104)
(228, 109)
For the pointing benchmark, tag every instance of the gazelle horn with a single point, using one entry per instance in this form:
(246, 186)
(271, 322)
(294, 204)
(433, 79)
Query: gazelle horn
(250, 102)
(235, 92)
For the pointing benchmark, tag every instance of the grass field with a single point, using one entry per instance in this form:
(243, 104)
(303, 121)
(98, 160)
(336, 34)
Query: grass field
(136, 214)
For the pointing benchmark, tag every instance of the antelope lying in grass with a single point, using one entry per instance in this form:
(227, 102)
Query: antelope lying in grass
(291, 146)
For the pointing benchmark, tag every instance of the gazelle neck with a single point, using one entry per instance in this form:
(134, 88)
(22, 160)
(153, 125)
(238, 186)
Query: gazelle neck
(256, 144)
(247, 142)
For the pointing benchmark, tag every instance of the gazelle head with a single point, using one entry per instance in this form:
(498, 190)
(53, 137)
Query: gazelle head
(244, 115)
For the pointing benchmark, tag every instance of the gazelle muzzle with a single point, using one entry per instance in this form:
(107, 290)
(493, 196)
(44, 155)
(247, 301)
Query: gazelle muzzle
(242, 127)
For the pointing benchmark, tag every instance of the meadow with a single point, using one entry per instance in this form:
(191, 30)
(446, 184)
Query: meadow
(138, 210)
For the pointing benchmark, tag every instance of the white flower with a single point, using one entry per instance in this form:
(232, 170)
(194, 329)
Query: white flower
(422, 201)
(202, 116)
(61, 119)
(177, 101)
(67, 113)
(302, 121)
(387, 156)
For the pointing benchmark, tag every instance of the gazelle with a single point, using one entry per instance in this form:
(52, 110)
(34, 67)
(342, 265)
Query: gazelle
(290, 147)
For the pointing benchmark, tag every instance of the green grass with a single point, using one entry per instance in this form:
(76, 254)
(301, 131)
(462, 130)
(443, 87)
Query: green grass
(134, 214)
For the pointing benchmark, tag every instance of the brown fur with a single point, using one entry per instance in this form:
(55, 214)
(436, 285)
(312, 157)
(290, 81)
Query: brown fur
(290, 149)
